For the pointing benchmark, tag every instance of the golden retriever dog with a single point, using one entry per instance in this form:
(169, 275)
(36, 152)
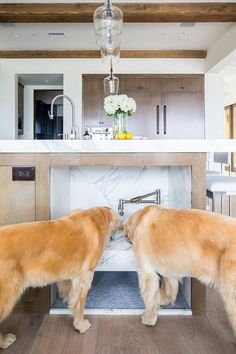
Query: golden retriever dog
(183, 243)
(65, 250)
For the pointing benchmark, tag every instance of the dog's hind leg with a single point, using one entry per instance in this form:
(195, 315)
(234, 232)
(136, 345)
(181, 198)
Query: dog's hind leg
(77, 300)
(64, 288)
(228, 294)
(10, 289)
(226, 284)
(150, 291)
(169, 290)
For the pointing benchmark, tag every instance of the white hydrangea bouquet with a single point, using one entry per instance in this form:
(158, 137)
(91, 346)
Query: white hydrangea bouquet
(120, 107)
(115, 104)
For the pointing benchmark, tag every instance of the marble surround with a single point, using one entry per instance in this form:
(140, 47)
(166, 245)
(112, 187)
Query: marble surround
(88, 186)
(117, 146)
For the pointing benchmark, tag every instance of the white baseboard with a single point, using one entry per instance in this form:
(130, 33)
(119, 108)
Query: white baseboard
(165, 312)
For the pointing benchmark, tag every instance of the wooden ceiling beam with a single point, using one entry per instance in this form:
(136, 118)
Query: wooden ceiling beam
(93, 54)
(133, 12)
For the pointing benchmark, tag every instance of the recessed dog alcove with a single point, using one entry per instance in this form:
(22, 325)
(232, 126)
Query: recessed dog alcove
(115, 287)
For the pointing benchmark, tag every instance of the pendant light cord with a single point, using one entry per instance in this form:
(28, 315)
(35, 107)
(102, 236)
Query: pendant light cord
(111, 70)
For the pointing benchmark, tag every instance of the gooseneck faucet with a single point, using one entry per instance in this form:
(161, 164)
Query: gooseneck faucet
(140, 200)
(74, 131)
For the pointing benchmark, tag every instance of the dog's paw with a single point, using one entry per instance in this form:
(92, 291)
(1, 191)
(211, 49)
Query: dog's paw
(82, 326)
(7, 340)
(149, 319)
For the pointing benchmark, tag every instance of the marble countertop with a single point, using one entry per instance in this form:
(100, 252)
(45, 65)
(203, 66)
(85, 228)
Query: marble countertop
(116, 146)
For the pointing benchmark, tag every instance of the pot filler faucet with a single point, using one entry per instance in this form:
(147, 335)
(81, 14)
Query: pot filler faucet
(140, 200)
(74, 131)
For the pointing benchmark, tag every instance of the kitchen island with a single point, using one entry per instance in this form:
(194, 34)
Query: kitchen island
(46, 179)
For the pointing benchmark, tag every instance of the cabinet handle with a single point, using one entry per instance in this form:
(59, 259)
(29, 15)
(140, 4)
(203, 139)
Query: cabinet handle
(164, 115)
(158, 119)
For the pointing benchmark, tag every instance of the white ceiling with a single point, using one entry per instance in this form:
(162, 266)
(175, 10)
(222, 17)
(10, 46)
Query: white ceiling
(135, 36)
(41, 79)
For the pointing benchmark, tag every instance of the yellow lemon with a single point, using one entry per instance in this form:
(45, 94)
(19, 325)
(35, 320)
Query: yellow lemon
(129, 136)
(121, 136)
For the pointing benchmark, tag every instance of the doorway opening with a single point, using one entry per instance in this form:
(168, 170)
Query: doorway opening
(34, 93)
(44, 127)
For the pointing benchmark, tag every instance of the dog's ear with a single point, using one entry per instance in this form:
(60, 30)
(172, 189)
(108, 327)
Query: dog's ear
(130, 226)
(107, 215)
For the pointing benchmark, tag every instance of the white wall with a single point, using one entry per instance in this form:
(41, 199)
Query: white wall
(230, 91)
(8, 102)
(214, 106)
(223, 51)
(73, 69)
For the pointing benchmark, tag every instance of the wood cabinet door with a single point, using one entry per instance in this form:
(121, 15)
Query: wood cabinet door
(146, 121)
(92, 101)
(183, 116)
(105, 120)
(18, 205)
(17, 199)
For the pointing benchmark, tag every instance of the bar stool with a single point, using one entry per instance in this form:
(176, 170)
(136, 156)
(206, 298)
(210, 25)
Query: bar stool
(222, 186)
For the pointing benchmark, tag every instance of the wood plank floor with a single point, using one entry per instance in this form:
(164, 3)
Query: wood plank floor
(39, 334)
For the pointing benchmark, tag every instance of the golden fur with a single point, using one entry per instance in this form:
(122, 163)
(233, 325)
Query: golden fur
(65, 250)
(183, 243)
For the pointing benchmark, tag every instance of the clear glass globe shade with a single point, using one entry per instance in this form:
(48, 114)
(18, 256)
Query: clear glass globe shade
(110, 55)
(108, 18)
(111, 85)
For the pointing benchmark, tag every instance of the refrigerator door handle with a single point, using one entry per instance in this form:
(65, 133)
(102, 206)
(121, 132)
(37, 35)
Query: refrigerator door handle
(164, 119)
(158, 118)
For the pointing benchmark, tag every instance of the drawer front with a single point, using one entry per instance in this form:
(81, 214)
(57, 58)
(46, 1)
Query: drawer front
(182, 84)
(140, 85)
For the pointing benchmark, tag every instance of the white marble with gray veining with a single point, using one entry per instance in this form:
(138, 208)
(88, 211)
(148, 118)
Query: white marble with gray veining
(116, 146)
(179, 187)
(104, 185)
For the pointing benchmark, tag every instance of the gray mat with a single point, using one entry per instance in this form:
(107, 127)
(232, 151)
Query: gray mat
(117, 290)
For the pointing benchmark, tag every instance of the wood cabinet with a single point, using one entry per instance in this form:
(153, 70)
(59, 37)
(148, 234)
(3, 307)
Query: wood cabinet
(93, 102)
(149, 105)
(168, 106)
(140, 84)
(18, 204)
(182, 84)
(17, 197)
(39, 300)
(182, 115)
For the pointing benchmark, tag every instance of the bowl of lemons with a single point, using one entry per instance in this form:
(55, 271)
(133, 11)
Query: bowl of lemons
(123, 136)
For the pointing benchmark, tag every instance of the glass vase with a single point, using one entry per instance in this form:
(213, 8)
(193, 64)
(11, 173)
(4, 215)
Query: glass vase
(120, 125)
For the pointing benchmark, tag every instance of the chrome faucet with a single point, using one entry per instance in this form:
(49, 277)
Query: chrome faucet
(74, 131)
(140, 200)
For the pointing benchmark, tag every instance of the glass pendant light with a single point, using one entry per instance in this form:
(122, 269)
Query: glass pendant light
(110, 51)
(111, 84)
(108, 21)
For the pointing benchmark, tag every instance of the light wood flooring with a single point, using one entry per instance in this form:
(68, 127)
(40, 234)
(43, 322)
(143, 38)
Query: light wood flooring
(45, 334)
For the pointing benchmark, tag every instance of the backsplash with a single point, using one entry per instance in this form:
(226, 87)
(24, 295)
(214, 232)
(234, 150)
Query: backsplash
(86, 187)
(100, 185)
